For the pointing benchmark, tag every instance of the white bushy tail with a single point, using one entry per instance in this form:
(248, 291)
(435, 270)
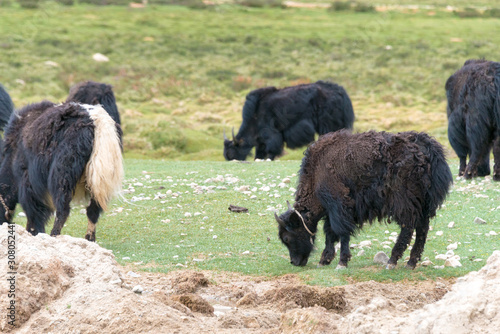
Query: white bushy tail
(104, 171)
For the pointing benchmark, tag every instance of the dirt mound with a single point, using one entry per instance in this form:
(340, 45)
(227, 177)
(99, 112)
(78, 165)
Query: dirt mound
(294, 296)
(66, 285)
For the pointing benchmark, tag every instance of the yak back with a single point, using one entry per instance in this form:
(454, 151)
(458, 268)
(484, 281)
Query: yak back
(372, 174)
(90, 92)
(473, 88)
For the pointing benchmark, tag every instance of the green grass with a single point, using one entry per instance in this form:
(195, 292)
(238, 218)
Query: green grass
(183, 71)
(157, 235)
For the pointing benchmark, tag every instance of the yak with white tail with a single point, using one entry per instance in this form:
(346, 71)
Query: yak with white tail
(56, 153)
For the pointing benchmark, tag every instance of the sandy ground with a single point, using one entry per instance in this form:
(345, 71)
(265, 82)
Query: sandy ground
(69, 285)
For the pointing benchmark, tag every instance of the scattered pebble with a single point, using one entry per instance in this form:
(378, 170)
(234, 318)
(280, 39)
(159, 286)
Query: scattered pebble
(381, 258)
(451, 224)
(137, 289)
(480, 221)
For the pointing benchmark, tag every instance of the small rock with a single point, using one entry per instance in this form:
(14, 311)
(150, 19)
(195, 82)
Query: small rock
(452, 246)
(365, 243)
(451, 224)
(480, 221)
(426, 263)
(439, 233)
(117, 281)
(100, 57)
(452, 263)
(381, 258)
(493, 233)
(441, 257)
(137, 289)
(132, 274)
(361, 253)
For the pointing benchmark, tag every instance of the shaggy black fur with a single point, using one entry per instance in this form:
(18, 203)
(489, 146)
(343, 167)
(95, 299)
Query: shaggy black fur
(348, 179)
(6, 107)
(292, 115)
(90, 92)
(46, 151)
(473, 110)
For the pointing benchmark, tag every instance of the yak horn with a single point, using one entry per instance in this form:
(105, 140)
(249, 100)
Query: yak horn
(289, 206)
(225, 137)
(232, 132)
(281, 222)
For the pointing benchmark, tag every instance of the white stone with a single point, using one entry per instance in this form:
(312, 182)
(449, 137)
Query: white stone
(452, 263)
(451, 224)
(452, 246)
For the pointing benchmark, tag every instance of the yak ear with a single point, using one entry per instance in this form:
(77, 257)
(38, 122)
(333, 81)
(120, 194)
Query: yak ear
(295, 219)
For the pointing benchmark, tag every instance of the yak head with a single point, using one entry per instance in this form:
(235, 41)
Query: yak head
(295, 235)
(235, 149)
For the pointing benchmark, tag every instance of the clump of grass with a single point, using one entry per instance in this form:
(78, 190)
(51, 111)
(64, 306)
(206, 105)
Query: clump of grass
(29, 4)
(468, 12)
(362, 7)
(338, 6)
(262, 3)
(493, 12)
(166, 134)
(241, 83)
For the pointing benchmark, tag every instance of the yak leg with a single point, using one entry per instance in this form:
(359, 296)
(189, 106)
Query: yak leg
(260, 151)
(418, 246)
(331, 238)
(93, 212)
(36, 210)
(483, 167)
(274, 145)
(345, 252)
(62, 214)
(399, 248)
(479, 137)
(496, 155)
(458, 140)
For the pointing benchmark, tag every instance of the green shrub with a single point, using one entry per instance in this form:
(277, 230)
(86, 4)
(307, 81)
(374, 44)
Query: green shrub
(5, 3)
(493, 12)
(30, 4)
(468, 13)
(195, 4)
(166, 134)
(262, 3)
(363, 8)
(66, 2)
(338, 6)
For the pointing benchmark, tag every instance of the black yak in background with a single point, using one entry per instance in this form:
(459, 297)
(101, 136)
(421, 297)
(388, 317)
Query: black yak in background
(292, 115)
(90, 92)
(348, 179)
(6, 107)
(473, 110)
(55, 153)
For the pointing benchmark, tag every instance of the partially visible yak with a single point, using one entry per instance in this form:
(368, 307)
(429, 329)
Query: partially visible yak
(54, 153)
(292, 115)
(349, 179)
(473, 110)
(6, 107)
(90, 92)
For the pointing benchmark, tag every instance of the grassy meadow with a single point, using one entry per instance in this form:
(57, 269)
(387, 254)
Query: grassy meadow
(180, 76)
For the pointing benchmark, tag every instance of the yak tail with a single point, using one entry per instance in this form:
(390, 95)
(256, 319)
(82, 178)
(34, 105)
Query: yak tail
(441, 178)
(6, 107)
(104, 171)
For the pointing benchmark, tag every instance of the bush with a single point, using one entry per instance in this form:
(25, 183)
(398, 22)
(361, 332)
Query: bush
(468, 13)
(30, 4)
(262, 3)
(338, 6)
(195, 4)
(363, 8)
(5, 3)
(493, 12)
(66, 2)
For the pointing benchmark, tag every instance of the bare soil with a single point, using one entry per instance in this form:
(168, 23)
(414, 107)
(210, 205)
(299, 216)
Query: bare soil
(69, 285)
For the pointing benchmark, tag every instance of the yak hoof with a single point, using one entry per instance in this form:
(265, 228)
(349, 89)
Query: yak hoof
(340, 267)
(410, 266)
(390, 266)
(90, 237)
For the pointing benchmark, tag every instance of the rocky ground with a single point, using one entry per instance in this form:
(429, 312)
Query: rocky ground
(68, 285)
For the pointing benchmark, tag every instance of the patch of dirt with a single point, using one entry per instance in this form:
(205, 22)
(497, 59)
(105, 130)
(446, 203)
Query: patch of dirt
(66, 285)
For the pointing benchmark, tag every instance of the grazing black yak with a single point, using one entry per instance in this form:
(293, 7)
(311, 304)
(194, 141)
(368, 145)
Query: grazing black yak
(473, 110)
(292, 115)
(90, 92)
(348, 179)
(55, 153)
(6, 107)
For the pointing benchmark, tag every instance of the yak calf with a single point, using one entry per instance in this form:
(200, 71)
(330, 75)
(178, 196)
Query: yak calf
(348, 179)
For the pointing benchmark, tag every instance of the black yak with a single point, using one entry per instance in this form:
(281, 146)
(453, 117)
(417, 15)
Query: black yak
(473, 110)
(348, 179)
(90, 92)
(6, 107)
(55, 153)
(292, 115)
